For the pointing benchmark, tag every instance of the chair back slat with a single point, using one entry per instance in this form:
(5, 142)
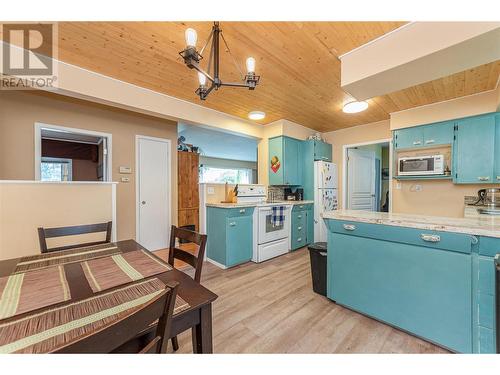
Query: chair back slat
(195, 261)
(44, 233)
(118, 333)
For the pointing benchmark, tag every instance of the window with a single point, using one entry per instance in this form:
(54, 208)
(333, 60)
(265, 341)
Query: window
(229, 175)
(55, 169)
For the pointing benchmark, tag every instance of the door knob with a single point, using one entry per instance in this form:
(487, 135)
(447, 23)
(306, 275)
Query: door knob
(143, 202)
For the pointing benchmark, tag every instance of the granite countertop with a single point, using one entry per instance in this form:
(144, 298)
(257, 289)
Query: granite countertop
(254, 204)
(481, 226)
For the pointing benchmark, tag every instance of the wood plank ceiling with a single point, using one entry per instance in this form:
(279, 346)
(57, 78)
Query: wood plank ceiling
(298, 63)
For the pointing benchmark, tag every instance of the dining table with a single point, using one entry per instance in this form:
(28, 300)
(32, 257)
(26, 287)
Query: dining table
(90, 274)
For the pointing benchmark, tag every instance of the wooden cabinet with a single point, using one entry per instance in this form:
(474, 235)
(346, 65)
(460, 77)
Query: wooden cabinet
(474, 150)
(285, 156)
(230, 235)
(302, 231)
(187, 189)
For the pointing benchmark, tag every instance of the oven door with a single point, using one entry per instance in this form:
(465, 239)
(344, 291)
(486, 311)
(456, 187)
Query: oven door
(269, 232)
(416, 166)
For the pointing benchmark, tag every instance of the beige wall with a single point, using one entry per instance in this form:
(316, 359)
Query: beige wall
(354, 135)
(20, 110)
(26, 206)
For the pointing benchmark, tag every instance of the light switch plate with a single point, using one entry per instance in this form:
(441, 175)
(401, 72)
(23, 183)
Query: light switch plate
(125, 170)
(398, 186)
(210, 190)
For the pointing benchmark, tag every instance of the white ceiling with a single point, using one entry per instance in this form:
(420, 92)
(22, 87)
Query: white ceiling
(219, 144)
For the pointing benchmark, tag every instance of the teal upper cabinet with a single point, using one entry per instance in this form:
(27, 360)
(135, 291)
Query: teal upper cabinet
(474, 150)
(440, 133)
(496, 172)
(285, 161)
(321, 150)
(409, 137)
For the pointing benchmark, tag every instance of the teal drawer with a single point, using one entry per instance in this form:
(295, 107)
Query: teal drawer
(299, 229)
(444, 240)
(486, 275)
(301, 207)
(489, 246)
(486, 340)
(241, 211)
(486, 310)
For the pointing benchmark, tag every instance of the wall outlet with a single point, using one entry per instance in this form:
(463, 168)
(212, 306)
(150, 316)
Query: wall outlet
(210, 190)
(125, 179)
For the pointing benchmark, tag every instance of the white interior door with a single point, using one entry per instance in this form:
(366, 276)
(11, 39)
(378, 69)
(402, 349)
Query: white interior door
(361, 180)
(153, 184)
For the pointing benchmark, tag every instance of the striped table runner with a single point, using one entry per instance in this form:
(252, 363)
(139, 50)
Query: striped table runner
(52, 329)
(119, 269)
(40, 261)
(23, 292)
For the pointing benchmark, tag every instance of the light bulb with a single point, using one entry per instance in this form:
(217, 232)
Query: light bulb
(191, 37)
(251, 65)
(202, 79)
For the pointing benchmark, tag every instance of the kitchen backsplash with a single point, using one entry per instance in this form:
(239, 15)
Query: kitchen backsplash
(275, 192)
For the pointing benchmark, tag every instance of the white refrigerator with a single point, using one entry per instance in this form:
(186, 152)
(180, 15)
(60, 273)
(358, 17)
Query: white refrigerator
(325, 196)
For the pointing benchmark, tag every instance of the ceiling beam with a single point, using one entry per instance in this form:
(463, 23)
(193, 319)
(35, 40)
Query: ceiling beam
(416, 53)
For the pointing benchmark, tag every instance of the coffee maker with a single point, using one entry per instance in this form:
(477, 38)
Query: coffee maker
(296, 194)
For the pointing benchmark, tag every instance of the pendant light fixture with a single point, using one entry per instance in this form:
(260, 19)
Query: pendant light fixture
(192, 59)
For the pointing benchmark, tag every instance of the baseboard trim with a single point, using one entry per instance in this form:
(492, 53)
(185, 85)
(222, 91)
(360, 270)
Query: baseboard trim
(216, 263)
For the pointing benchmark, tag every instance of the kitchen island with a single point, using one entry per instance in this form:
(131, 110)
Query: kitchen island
(431, 276)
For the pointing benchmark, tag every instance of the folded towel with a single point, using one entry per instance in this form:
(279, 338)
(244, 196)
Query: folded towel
(278, 216)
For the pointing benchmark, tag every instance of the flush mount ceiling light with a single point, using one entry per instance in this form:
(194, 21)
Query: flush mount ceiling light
(355, 107)
(192, 59)
(256, 115)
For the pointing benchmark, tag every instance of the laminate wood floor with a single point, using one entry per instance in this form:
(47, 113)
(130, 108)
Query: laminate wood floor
(270, 308)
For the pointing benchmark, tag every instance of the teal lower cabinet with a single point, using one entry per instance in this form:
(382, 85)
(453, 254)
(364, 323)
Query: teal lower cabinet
(230, 235)
(302, 231)
(432, 284)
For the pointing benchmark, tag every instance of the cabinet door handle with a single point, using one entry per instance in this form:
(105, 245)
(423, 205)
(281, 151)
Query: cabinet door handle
(416, 143)
(299, 239)
(498, 177)
(299, 216)
(430, 237)
(349, 227)
(483, 178)
(301, 206)
(299, 228)
(430, 141)
(232, 224)
(242, 211)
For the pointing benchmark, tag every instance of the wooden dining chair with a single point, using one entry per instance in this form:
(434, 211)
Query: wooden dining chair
(196, 261)
(44, 233)
(106, 340)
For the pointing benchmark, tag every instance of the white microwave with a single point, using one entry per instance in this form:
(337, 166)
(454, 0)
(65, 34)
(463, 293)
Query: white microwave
(421, 165)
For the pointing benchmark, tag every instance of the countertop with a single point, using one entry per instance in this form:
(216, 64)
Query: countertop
(254, 204)
(481, 226)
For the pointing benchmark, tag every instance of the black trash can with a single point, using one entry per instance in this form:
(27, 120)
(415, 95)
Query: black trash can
(317, 253)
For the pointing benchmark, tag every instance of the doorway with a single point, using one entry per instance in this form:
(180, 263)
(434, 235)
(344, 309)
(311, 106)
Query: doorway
(367, 176)
(153, 192)
(65, 154)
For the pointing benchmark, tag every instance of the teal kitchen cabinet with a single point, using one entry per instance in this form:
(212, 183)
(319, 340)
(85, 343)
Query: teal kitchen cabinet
(474, 150)
(302, 230)
(318, 150)
(440, 133)
(409, 137)
(285, 156)
(230, 235)
(496, 172)
(395, 277)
